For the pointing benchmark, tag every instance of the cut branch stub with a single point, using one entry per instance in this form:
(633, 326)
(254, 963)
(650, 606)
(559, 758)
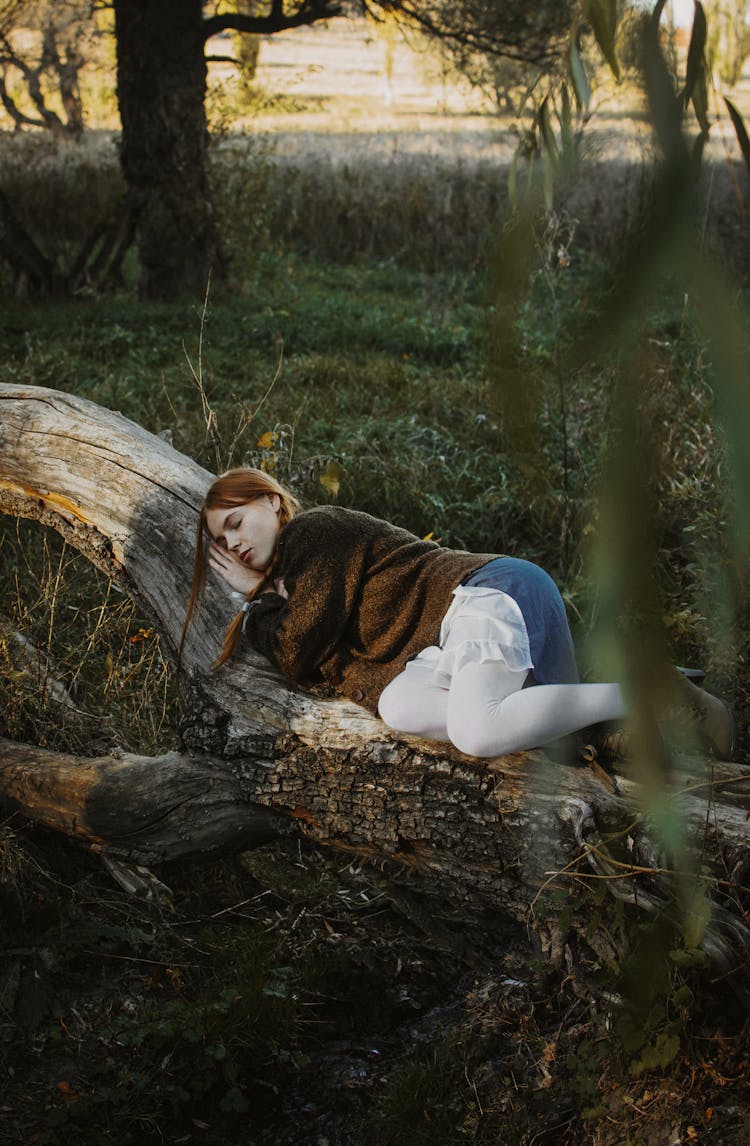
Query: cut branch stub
(149, 808)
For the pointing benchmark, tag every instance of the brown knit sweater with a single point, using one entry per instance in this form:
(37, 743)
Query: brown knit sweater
(364, 598)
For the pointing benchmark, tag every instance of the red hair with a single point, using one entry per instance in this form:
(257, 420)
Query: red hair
(231, 489)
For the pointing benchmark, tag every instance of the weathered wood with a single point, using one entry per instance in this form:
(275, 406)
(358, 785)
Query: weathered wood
(154, 808)
(263, 757)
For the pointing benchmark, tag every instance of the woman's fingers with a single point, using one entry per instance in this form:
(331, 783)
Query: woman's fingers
(222, 561)
(232, 570)
(222, 558)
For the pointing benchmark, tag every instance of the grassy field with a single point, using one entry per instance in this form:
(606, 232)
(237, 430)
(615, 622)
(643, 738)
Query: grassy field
(375, 321)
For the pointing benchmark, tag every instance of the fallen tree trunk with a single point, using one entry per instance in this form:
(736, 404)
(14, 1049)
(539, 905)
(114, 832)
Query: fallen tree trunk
(262, 758)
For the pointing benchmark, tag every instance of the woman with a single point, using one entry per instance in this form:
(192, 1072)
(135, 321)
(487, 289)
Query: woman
(441, 643)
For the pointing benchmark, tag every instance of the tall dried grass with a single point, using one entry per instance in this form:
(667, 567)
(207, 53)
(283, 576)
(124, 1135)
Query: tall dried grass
(346, 202)
(79, 669)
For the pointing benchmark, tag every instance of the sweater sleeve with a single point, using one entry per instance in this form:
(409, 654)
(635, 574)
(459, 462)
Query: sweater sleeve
(322, 560)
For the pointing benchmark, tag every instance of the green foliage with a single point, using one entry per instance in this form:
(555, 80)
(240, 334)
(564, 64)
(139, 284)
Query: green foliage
(657, 981)
(602, 16)
(631, 533)
(740, 131)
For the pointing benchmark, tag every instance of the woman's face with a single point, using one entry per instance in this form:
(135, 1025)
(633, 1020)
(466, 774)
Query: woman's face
(250, 531)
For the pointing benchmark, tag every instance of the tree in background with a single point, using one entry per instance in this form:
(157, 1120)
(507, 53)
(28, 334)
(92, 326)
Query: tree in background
(247, 50)
(43, 48)
(501, 49)
(728, 43)
(501, 79)
(161, 88)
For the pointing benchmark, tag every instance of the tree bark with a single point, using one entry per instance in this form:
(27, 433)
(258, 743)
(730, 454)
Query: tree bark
(161, 89)
(261, 757)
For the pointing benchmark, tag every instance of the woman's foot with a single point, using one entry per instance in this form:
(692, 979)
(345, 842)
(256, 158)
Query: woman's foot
(705, 713)
(687, 708)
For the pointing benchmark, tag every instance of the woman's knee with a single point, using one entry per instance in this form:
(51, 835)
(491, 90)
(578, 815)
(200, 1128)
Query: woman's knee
(471, 743)
(408, 706)
(470, 735)
(396, 710)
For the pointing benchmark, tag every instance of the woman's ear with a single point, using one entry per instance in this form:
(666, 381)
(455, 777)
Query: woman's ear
(275, 501)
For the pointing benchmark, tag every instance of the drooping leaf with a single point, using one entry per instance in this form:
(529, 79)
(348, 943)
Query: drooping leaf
(700, 101)
(602, 16)
(528, 93)
(656, 14)
(740, 131)
(566, 119)
(550, 155)
(665, 107)
(578, 75)
(512, 177)
(696, 54)
(696, 913)
(697, 157)
(512, 174)
(549, 143)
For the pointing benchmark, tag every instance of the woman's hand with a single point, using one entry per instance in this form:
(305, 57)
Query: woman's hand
(229, 567)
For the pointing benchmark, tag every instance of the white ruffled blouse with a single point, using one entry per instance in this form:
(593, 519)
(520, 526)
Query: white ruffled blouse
(481, 624)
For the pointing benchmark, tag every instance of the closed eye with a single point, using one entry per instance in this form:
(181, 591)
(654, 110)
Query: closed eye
(229, 523)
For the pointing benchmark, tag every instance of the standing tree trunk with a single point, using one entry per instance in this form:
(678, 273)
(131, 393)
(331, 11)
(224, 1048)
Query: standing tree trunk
(161, 89)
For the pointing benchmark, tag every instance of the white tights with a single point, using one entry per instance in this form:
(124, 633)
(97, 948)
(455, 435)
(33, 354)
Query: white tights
(487, 711)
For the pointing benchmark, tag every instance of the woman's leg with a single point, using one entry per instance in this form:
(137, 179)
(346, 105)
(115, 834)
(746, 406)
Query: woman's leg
(412, 703)
(490, 713)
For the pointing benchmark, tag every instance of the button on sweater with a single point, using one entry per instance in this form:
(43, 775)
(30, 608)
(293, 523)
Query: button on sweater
(364, 598)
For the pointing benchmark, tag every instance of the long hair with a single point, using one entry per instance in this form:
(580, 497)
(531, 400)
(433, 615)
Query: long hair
(233, 488)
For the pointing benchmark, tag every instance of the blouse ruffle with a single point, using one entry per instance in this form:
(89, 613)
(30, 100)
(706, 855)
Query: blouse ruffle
(481, 624)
